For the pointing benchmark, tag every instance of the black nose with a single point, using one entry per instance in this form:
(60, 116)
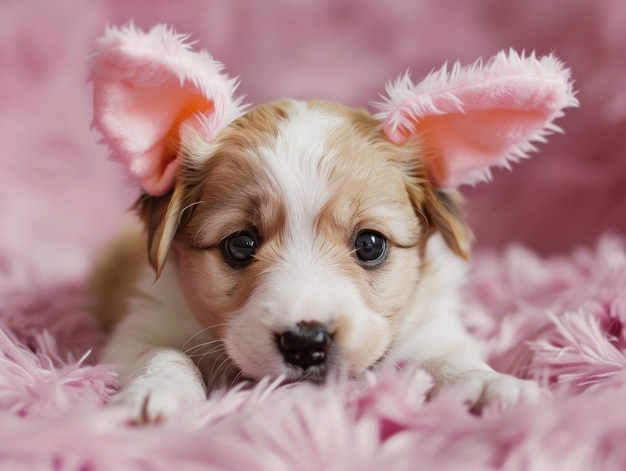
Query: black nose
(306, 345)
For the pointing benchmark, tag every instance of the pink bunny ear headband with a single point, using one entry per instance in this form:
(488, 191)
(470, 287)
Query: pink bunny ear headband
(150, 89)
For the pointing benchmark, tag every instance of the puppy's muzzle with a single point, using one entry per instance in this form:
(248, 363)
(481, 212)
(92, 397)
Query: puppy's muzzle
(305, 346)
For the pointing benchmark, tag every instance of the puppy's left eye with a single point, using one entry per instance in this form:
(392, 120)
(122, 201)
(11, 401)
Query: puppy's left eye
(370, 248)
(239, 248)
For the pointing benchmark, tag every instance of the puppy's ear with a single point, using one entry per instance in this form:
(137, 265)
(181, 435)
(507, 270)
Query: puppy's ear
(150, 89)
(473, 118)
(154, 98)
(444, 214)
(161, 218)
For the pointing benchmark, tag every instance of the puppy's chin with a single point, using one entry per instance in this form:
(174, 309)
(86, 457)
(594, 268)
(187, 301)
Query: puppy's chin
(316, 375)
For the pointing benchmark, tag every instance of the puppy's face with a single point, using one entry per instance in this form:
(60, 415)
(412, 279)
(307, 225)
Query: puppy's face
(300, 238)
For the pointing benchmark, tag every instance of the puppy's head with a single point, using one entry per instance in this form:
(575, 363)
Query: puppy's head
(298, 229)
(300, 236)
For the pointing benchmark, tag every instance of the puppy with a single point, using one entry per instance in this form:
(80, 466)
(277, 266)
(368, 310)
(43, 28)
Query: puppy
(302, 240)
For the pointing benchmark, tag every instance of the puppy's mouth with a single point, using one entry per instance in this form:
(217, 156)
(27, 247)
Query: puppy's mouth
(310, 353)
(313, 374)
(317, 375)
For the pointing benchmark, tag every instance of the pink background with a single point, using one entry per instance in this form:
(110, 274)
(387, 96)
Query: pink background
(60, 197)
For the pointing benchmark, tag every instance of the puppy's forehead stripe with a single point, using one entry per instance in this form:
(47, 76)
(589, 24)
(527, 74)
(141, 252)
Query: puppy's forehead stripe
(296, 161)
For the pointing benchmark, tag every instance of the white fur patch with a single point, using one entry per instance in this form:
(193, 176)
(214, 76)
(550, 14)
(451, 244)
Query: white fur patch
(296, 163)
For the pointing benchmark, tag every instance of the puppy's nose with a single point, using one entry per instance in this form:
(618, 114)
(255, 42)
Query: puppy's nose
(306, 345)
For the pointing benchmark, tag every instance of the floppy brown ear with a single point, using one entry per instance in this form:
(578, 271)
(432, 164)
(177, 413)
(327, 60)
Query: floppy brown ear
(443, 214)
(161, 218)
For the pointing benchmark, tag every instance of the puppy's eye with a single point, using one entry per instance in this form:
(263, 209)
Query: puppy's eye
(239, 248)
(370, 248)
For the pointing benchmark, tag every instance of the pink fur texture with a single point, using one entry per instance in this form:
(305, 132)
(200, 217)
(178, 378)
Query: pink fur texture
(479, 116)
(558, 319)
(131, 72)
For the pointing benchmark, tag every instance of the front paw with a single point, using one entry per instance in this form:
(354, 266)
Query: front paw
(484, 388)
(152, 403)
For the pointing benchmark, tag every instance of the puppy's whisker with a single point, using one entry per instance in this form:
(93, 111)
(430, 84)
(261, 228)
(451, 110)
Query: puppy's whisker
(198, 333)
(226, 369)
(201, 332)
(189, 206)
(202, 355)
(235, 379)
(212, 352)
(214, 372)
(206, 348)
(199, 347)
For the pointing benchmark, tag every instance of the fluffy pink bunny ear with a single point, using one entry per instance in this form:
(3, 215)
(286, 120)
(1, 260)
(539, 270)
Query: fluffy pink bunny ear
(148, 88)
(473, 118)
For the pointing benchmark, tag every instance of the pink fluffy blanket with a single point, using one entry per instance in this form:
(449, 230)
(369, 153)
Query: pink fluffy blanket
(559, 320)
(555, 318)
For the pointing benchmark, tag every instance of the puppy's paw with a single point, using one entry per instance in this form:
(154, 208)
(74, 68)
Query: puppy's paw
(153, 403)
(484, 388)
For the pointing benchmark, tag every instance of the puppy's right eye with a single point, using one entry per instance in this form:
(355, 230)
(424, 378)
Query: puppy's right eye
(239, 248)
(370, 248)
